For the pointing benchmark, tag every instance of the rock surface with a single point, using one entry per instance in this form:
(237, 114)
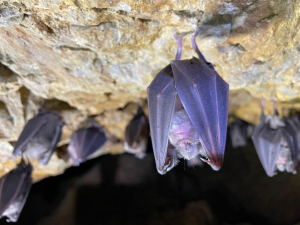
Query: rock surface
(94, 57)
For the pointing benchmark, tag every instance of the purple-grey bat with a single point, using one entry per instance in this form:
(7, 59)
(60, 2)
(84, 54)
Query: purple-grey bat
(276, 143)
(14, 190)
(136, 134)
(238, 133)
(84, 142)
(40, 136)
(294, 121)
(188, 110)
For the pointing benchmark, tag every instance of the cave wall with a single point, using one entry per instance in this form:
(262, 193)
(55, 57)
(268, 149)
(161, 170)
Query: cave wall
(95, 57)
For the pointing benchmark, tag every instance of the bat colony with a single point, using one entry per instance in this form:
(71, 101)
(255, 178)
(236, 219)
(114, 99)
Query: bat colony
(188, 111)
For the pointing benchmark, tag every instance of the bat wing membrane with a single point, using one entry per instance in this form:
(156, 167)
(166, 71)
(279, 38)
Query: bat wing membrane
(267, 143)
(85, 142)
(135, 127)
(95, 139)
(15, 187)
(290, 134)
(30, 130)
(161, 102)
(238, 133)
(52, 131)
(199, 88)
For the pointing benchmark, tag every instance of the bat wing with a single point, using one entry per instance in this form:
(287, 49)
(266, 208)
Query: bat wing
(296, 123)
(29, 131)
(161, 103)
(290, 134)
(204, 95)
(267, 144)
(135, 127)
(14, 190)
(41, 134)
(85, 142)
(238, 133)
(49, 135)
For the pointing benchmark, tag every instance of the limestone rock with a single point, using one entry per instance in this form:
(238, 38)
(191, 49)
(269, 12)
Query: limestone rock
(94, 57)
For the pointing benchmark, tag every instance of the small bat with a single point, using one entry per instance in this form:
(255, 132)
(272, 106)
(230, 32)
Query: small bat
(14, 190)
(84, 142)
(188, 110)
(40, 136)
(276, 143)
(294, 120)
(136, 135)
(238, 133)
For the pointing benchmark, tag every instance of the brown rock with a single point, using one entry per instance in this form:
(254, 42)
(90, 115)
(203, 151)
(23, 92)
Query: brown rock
(97, 56)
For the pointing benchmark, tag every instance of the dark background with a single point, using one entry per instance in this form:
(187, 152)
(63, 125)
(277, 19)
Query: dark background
(121, 189)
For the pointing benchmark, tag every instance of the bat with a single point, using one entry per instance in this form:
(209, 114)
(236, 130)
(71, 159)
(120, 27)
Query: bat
(14, 190)
(40, 136)
(84, 142)
(238, 133)
(294, 120)
(276, 143)
(136, 135)
(188, 110)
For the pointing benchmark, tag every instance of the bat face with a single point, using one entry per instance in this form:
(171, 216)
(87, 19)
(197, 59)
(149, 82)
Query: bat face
(238, 133)
(14, 190)
(136, 135)
(276, 144)
(40, 136)
(84, 142)
(188, 109)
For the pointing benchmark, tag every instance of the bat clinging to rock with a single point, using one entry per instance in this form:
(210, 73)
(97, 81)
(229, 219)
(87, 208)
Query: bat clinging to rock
(188, 110)
(276, 143)
(40, 136)
(239, 133)
(14, 190)
(136, 135)
(84, 142)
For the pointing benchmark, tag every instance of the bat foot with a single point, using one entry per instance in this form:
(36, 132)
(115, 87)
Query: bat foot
(179, 47)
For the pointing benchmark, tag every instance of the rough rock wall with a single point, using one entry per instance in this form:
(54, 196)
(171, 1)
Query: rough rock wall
(92, 57)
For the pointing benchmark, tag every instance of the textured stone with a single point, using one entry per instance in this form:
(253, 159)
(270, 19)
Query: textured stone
(94, 57)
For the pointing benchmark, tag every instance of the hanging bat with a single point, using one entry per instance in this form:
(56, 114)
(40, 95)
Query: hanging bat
(276, 144)
(84, 142)
(188, 110)
(136, 135)
(294, 121)
(238, 133)
(14, 190)
(40, 136)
